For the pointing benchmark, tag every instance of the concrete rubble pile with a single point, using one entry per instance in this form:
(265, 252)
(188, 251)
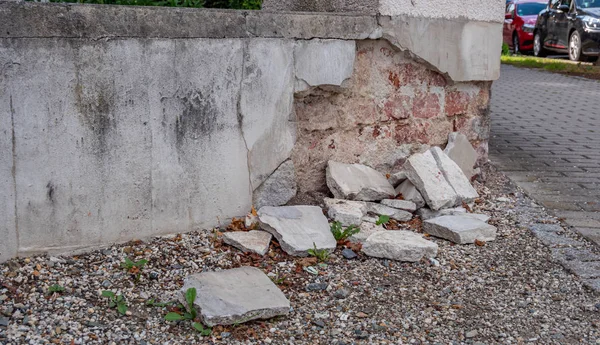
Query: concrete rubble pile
(433, 185)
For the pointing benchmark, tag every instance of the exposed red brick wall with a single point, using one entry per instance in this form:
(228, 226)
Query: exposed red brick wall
(391, 107)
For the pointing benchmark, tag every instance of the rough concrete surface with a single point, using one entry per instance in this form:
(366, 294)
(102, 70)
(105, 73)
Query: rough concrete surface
(254, 241)
(394, 213)
(460, 150)
(409, 192)
(455, 176)
(400, 245)
(323, 62)
(236, 296)
(488, 11)
(357, 182)
(400, 204)
(322, 5)
(460, 229)
(277, 189)
(366, 229)
(265, 105)
(297, 228)
(347, 212)
(424, 173)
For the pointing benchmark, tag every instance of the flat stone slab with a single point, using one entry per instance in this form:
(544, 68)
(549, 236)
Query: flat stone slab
(346, 212)
(397, 178)
(410, 193)
(405, 205)
(460, 229)
(460, 150)
(235, 296)
(254, 241)
(366, 229)
(424, 173)
(297, 228)
(400, 245)
(455, 176)
(426, 213)
(391, 212)
(278, 188)
(357, 182)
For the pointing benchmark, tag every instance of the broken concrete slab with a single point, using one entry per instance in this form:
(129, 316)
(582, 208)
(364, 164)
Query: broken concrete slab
(254, 241)
(409, 192)
(394, 213)
(366, 229)
(346, 212)
(455, 176)
(397, 178)
(460, 150)
(460, 229)
(426, 213)
(277, 189)
(357, 182)
(424, 173)
(405, 205)
(370, 219)
(400, 245)
(323, 62)
(297, 228)
(235, 296)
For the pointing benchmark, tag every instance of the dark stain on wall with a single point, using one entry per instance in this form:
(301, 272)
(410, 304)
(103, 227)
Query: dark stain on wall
(198, 118)
(96, 106)
(50, 191)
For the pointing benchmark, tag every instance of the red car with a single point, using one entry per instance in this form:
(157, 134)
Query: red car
(519, 22)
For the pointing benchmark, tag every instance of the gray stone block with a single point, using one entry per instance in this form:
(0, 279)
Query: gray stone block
(424, 173)
(253, 241)
(277, 189)
(409, 192)
(357, 182)
(323, 62)
(460, 150)
(399, 245)
(366, 229)
(426, 213)
(346, 212)
(460, 229)
(405, 205)
(455, 176)
(235, 296)
(394, 213)
(297, 228)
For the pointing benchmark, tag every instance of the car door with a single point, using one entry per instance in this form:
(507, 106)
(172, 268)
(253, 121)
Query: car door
(508, 27)
(562, 25)
(550, 39)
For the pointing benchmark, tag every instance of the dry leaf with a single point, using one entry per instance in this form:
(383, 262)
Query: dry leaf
(479, 243)
(466, 207)
(304, 262)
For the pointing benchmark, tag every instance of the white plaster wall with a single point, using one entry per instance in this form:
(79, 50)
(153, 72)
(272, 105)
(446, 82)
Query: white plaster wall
(480, 10)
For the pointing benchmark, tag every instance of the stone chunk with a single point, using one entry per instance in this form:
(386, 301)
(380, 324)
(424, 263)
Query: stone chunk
(235, 296)
(426, 213)
(425, 175)
(391, 212)
(460, 150)
(323, 62)
(397, 178)
(409, 192)
(254, 241)
(357, 182)
(405, 205)
(366, 229)
(455, 177)
(277, 189)
(399, 245)
(297, 228)
(345, 211)
(460, 229)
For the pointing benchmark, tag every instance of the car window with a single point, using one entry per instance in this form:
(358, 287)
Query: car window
(554, 4)
(588, 3)
(530, 9)
(510, 8)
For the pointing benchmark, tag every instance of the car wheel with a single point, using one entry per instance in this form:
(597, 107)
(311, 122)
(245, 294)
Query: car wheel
(516, 46)
(538, 46)
(575, 47)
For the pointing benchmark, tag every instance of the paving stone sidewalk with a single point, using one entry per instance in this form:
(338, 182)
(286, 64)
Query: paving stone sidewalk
(546, 137)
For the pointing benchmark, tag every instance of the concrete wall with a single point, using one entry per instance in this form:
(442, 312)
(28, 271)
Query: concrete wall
(127, 122)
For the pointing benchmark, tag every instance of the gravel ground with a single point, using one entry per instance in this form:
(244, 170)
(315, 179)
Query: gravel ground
(506, 291)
